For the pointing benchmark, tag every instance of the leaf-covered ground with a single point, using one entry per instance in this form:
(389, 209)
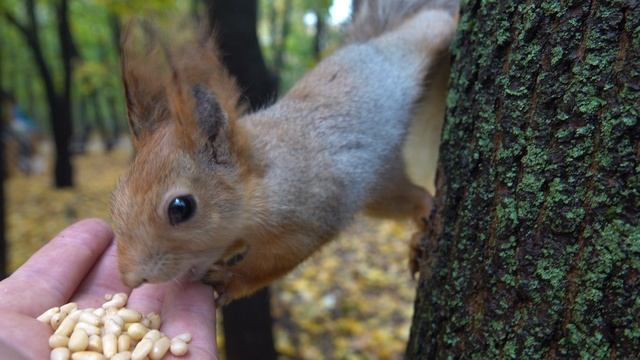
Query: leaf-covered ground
(352, 300)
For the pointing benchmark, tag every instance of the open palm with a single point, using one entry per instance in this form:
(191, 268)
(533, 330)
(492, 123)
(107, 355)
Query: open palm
(79, 265)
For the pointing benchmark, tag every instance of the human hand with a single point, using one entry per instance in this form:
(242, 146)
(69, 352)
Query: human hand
(79, 265)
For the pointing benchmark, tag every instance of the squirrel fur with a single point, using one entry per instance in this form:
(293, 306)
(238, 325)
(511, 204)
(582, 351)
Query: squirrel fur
(269, 188)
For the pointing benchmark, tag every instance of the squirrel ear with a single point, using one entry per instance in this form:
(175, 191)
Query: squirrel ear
(145, 96)
(202, 124)
(213, 124)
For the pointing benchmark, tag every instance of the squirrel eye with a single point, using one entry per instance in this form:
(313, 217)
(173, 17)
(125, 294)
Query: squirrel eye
(181, 209)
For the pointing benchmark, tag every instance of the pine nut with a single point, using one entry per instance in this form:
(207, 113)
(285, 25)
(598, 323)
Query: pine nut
(108, 297)
(56, 341)
(124, 355)
(68, 308)
(75, 314)
(111, 311)
(160, 348)
(146, 322)
(137, 331)
(78, 341)
(178, 347)
(61, 353)
(124, 342)
(118, 301)
(97, 334)
(110, 345)
(152, 335)
(56, 320)
(95, 343)
(142, 349)
(90, 329)
(154, 320)
(45, 317)
(89, 318)
(186, 337)
(66, 326)
(110, 327)
(120, 321)
(87, 355)
(129, 315)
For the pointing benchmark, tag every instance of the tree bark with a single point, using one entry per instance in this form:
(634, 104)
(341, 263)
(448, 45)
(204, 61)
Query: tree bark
(535, 238)
(247, 322)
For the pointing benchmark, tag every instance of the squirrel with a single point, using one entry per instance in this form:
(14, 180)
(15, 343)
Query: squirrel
(238, 199)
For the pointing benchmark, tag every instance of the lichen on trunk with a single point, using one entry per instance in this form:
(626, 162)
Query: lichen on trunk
(534, 248)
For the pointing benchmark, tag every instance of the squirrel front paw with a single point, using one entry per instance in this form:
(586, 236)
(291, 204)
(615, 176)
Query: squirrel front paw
(415, 252)
(221, 279)
(416, 247)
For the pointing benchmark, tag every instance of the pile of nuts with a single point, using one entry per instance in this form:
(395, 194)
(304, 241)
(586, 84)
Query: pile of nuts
(109, 332)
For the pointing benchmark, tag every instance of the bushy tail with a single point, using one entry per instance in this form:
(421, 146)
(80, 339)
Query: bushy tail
(375, 17)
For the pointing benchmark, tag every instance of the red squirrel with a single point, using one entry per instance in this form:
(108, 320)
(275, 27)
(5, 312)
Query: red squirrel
(238, 199)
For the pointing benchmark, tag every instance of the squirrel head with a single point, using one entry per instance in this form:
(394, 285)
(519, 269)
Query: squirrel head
(180, 205)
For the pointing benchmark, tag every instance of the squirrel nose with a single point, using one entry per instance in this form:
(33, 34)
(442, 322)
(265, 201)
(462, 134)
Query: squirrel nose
(132, 280)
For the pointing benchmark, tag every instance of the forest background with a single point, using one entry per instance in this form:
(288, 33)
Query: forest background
(352, 300)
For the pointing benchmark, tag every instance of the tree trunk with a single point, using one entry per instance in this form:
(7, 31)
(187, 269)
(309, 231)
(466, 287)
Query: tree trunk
(278, 57)
(235, 24)
(62, 129)
(247, 323)
(101, 122)
(116, 125)
(62, 121)
(535, 238)
(115, 30)
(3, 172)
(355, 6)
(319, 35)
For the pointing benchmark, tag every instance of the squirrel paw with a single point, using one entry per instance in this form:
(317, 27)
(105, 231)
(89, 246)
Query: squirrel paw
(416, 249)
(415, 252)
(219, 277)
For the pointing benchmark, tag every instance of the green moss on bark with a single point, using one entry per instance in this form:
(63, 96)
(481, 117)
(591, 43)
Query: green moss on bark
(535, 249)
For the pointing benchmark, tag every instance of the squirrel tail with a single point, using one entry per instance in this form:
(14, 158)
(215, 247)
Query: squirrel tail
(374, 17)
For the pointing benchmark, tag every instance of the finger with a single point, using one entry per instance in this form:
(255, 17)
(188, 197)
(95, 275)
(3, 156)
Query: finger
(103, 279)
(24, 333)
(148, 298)
(52, 274)
(189, 307)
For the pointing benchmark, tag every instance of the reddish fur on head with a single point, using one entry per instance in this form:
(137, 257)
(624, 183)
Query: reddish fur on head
(182, 107)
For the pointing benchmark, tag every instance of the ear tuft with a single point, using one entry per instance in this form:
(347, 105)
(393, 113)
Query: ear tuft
(214, 125)
(144, 90)
(209, 115)
(185, 84)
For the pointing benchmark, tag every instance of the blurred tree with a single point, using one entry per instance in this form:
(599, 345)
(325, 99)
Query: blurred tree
(115, 28)
(247, 322)
(280, 42)
(535, 238)
(355, 6)
(58, 100)
(3, 168)
(321, 12)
